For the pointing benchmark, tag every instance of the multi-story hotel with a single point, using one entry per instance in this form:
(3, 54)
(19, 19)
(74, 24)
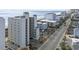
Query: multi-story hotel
(2, 33)
(18, 30)
(21, 29)
(34, 30)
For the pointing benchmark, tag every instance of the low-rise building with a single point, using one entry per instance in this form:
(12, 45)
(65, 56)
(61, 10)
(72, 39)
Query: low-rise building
(75, 43)
(76, 32)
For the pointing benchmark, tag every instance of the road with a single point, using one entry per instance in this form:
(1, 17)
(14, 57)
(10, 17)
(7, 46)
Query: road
(55, 38)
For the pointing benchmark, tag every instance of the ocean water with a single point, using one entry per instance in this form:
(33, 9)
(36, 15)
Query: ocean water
(11, 13)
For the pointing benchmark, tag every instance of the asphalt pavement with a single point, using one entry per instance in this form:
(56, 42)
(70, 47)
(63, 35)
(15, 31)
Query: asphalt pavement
(55, 38)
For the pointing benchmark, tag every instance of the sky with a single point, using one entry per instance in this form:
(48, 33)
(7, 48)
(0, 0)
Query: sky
(15, 12)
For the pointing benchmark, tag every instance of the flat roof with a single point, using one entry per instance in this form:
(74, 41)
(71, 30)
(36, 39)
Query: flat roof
(41, 23)
(46, 20)
(75, 39)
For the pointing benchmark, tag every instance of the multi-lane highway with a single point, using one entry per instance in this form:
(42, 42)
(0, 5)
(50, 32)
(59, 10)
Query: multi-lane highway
(54, 40)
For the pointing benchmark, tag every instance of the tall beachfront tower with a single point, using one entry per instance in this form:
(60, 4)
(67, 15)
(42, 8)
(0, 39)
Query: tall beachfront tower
(2, 33)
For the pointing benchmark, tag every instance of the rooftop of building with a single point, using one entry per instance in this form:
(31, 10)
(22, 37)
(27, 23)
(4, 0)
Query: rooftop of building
(75, 39)
(19, 16)
(41, 23)
(46, 21)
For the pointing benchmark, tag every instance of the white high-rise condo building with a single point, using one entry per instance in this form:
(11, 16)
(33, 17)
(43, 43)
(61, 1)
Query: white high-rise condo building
(2, 33)
(18, 31)
(21, 29)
